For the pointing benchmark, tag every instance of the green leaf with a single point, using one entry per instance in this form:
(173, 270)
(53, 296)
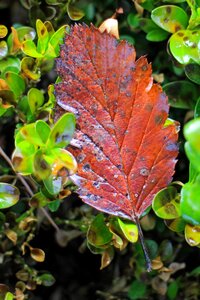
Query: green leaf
(16, 83)
(185, 98)
(54, 205)
(43, 36)
(53, 185)
(29, 48)
(43, 130)
(172, 290)
(184, 46)
(3, 31)
(176, 225)
(74, 13)
(30, 69)
(192, 234)
(137, 290)
(35, 99)
(42, 169)
(192, 71)
(133, 20)
(157, 35)
(190, 205)
(166, 250)
(9, 195)
(23, 164)
(3, 49)
(46, 279)
(98, 233)
(129, 229)
(29, 134)
(63, 162)
(192, 133)
(62, 132)
(147, 25)
(57, 38)
(9, 296)
(170, 17)
(193, 155)
(166, 203)
(9, 62)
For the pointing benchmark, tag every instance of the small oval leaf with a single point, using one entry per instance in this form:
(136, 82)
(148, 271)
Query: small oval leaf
(9, 195)
(170, 17)
(166, 203)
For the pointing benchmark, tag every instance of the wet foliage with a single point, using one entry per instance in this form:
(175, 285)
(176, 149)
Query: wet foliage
(48, 235)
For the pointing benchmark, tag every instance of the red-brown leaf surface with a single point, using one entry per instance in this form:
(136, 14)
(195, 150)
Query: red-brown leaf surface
(126, 153)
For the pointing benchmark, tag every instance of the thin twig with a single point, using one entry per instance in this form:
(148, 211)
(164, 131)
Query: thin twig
(28, 189)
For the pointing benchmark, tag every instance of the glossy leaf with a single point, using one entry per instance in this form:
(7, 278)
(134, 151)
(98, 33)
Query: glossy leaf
(98, 233)
(3, 49)
(192, 234)
(3, 31)
(192, 71)
(184, 46)
(10, 62)
(185, 98)
(35, 99)
(57, 38)
(126, 153)
(46, 279)
(170, 17)
(129, 230)
(9, 195)
(166, 203)
(43, 36)
(176, 225)
(62, 132)
(192, 148)
(37, 254)
(9, 296)
(29, 68)
(190, 206)
(157, 35)
(74, 13)
(15, 83)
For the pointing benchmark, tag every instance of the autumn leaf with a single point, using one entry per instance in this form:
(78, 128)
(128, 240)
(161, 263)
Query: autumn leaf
(127, 146)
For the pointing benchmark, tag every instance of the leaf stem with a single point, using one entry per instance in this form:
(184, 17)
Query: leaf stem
(28, 189)
(144, 248)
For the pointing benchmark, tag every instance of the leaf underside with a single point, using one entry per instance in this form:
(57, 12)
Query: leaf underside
(125, 153)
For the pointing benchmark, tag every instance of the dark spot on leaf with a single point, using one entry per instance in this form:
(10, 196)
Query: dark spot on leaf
(148, 107)
(144, 68)
(158, 119)
(119, 167)
(63, 172)
(86, 167)
(180, 34)
(42, 31)
(194, 45)
(168, 9)
(166, 20)
(43, 164)
(88, 39)
(186, 38)
(177, 28)
(17, 160)
(132, 68)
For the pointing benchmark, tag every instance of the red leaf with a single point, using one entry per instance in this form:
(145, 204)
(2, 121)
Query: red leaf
(127, 154)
